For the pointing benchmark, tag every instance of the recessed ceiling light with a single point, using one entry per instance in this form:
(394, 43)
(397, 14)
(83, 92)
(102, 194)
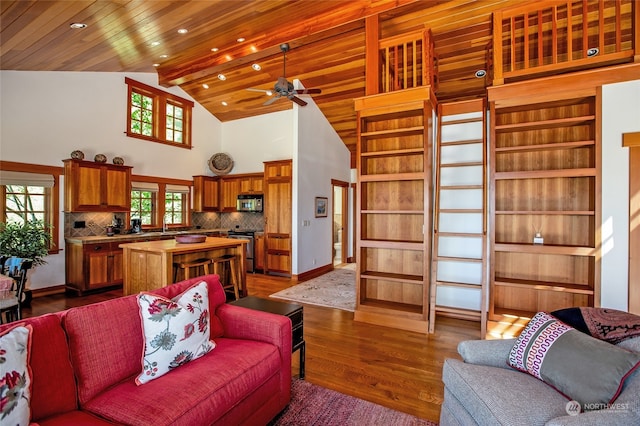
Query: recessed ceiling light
(164, 56)
(253, 48)
(224, 103)
(205, 85)
(183, 31)
(256, 67)
(240, 39)
(593, 52)
(222, 77)
(156, 65)
(214, 49)
(78, 26)
(228, 57)
(480, 73)
(155, 43)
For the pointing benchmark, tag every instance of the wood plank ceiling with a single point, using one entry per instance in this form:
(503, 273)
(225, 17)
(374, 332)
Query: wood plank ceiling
(327, 40)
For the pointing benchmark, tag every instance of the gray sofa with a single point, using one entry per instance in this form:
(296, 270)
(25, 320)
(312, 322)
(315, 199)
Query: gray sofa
(484, 390)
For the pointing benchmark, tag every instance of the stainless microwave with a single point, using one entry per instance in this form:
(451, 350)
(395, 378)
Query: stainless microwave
(249, 203)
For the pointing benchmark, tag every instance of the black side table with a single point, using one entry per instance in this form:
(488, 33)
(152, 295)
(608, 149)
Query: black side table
(291, 310)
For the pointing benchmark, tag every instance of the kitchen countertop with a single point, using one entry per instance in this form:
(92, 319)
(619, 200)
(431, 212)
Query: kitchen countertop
(152, 235)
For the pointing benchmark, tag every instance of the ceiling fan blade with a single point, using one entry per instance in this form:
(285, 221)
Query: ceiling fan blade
(298, 100)
(272, 100)
(308, 91)
(251, 89)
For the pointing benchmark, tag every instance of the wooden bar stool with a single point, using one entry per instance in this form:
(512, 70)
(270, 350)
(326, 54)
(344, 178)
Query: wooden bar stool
(191, 264)
(230, 261)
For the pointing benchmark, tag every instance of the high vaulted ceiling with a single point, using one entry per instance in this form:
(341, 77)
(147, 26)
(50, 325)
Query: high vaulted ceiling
(327, 39)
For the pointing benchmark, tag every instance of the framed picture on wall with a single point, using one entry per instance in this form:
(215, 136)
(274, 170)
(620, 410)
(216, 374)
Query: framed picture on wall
(321, 206)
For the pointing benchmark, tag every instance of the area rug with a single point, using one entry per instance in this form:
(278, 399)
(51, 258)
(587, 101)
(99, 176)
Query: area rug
(312, 405)
(335, 289)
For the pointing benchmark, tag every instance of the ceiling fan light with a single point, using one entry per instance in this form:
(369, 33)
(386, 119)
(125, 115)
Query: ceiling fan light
(256, 67)
(222, 77)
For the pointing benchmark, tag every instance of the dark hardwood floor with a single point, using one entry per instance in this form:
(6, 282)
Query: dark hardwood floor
(398, 369)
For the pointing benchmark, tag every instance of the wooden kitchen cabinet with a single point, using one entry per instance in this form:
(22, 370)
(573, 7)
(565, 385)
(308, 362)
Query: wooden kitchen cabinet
(259, 255)
(251, 184)
(229, 190)
(206, 194)
(96, 187)
(92, 266)
(277, 216)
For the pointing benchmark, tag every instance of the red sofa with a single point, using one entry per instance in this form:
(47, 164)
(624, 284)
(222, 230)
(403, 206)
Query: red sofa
(84, 361)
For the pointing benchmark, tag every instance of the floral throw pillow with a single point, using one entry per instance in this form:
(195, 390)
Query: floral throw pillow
(176, 330)
(15, 381)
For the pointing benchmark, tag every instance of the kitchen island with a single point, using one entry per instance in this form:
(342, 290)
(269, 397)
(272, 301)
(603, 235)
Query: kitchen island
(149, 265)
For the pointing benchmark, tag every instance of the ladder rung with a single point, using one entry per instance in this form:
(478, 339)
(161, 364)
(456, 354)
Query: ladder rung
(461, 211)
(465, 164)
(459, 259)
(455, 284)
(456, 187)
(459, 311)
(460, 234)
(464, 142)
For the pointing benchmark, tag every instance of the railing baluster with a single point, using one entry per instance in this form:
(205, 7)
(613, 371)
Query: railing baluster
(554, 34)
(525, 30)
(405, 63)
(512, 31)
(540, 39)
(585, 29)
(569, 32)
(618, 25)
(600, 26)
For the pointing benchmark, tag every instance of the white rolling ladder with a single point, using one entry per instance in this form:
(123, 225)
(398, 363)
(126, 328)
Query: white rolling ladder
(459, 256)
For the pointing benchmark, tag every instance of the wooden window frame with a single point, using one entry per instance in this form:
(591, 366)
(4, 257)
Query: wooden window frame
(160, 101)
(52, 199)
(159, 200)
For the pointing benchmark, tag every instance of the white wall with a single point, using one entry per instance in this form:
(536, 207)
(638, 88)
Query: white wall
(46, 115)
(251, 141)
(320, 155)
(620, 114)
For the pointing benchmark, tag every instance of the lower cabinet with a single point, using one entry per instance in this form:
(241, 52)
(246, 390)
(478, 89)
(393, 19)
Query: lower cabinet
(259, 253)
(92, 266)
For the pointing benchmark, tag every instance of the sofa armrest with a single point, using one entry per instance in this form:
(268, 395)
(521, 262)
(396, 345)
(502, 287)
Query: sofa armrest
(243, 323)
(609, 417)
(493, 353)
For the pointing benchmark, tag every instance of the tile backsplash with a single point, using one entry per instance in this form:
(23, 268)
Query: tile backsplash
(96, 223)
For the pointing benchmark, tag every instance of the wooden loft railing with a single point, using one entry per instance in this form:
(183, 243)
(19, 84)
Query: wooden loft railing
(400, 62)
(407, 61)
(557, 36)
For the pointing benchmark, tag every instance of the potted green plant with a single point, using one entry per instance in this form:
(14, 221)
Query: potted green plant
(26, 241)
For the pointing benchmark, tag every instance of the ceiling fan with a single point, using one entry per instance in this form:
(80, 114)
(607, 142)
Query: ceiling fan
(283, 88)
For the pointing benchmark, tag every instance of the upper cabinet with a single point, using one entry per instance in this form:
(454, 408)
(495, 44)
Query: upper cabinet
(101, 187)
(229, 190)
(206, 194)
(251, 184)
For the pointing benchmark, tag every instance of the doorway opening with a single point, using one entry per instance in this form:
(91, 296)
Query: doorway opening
(340, 222)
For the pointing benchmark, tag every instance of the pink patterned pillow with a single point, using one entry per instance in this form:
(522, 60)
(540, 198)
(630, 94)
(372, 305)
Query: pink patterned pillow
(176, 330)
(15, 380)
(581, 367)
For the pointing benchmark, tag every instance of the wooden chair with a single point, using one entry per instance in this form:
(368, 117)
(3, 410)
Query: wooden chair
(11, 301)
(230, 261)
